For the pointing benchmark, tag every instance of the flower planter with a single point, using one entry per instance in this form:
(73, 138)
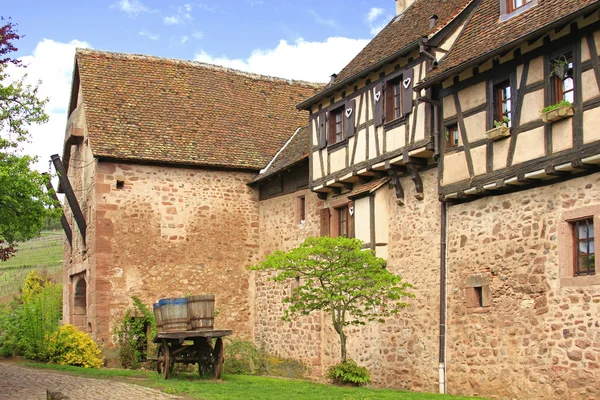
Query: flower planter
(557, 114)
(498, 133)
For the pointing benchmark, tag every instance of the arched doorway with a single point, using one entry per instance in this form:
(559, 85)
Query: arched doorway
(80, 303)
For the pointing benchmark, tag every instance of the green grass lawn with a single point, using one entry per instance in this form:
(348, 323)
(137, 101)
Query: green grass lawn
(44, 252)
(242, 386)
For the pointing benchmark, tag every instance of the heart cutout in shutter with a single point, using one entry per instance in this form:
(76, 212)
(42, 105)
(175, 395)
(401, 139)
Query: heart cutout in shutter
(351, 211)
(348, 112)
(377, 95)
(406, 83)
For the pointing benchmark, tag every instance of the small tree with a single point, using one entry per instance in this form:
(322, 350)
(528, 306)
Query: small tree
(339, 276)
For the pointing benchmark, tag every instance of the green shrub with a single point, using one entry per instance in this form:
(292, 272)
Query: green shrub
(241, 357)
(70, 346)
(132, 334)
(28, 320)
(349, 372)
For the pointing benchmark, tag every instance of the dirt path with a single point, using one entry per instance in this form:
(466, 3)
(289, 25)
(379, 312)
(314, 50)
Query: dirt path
(20, 383)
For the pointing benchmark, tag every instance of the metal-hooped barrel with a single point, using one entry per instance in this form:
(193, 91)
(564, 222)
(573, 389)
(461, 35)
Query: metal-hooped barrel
(157, 317)
(201, 311)
(174, 314)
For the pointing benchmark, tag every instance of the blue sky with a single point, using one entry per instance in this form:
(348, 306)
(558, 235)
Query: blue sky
(306, 40)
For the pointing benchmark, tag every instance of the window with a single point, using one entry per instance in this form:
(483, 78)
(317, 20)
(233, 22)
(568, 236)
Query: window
(301, 203)
(584, 262)
(502, 102)
(343, 221)
(516, 4)
(451, 136)
(336, 125)
(564, 85)
(393, 99)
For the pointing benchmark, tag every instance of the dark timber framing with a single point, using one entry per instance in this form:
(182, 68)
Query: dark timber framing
(70, 195)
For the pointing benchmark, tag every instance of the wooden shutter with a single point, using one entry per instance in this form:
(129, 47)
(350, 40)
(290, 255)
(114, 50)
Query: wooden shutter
(389, 101)
(322, 130)
(325, 222)
(407, 91)
(349, 122)
(378, 98)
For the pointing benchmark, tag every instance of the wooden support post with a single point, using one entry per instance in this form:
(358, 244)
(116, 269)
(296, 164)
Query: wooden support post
(397, 185)
(70, 195)
(63, 219)
(416, 177)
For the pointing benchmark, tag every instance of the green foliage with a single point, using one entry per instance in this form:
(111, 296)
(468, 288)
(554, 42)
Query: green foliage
(339, 276)
(241, 357)
(26, 323)
(132, 335)
(349, 372)
(503, 122)
(70, 346)
(285, 367)
(562, 103)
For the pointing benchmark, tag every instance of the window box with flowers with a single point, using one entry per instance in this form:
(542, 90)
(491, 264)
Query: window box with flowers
(561, 110)
(501, 129)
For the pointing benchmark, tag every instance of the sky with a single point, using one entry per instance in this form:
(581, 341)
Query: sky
(305, 40)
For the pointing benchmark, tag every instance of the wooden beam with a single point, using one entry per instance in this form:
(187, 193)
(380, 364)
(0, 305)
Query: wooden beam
(63, 219)
(322, 195)
(336, 190)
(416, 177)
(347, 185)
(398, 186)
(551, 170)
(70, 195)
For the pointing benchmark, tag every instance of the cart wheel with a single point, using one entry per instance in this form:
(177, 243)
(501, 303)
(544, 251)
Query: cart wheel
(165, 363)
(218, 359)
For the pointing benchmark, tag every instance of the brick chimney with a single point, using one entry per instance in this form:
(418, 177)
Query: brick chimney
(402, 5)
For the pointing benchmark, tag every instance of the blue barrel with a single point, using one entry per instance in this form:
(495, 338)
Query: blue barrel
(157, 317)
(174, 314)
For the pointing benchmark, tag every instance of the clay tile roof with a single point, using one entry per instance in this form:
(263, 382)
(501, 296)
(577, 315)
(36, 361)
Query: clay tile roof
(369, 187)
(486, 32)
(293, 151)
(402, 31)
(180, 112)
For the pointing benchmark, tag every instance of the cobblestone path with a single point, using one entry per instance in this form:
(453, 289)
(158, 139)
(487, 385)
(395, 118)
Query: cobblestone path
(19, 383)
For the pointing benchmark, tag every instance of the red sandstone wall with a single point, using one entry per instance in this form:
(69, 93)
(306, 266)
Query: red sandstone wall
(170, 232)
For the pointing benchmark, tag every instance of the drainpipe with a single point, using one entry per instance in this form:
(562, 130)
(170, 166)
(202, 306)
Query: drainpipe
(443, 275)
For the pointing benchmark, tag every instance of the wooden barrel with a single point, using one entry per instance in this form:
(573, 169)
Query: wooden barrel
(201, 310)
(157, 317)
(174, 314)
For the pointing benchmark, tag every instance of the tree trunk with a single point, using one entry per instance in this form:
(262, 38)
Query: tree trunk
(343, 344)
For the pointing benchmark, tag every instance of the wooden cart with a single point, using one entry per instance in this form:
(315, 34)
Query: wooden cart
(173, 349)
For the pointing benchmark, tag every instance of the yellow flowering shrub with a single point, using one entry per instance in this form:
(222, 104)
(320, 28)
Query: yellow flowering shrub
(70, 346)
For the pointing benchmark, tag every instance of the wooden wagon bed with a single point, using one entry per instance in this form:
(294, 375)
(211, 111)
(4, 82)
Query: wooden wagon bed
(174, 349)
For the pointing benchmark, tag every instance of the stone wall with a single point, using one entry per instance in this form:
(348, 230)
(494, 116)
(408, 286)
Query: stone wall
(540, 335)
(400, 353)
(167, 232)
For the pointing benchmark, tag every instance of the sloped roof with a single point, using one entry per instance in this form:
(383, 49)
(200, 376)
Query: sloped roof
(403, 30)
(151, 109)
(295, 150)
(369, 187)
(485, 32)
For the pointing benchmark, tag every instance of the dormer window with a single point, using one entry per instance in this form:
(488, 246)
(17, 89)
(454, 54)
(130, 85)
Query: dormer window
(510, 8)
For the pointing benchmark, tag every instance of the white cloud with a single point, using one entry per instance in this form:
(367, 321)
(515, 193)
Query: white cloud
(184, 39)
(182, 15)
(197, 35)
(376, 19)
(52, 63)
(131, 7)
(149, 35)
(310, 61)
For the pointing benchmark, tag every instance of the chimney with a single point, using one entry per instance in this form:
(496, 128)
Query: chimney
(402, 5)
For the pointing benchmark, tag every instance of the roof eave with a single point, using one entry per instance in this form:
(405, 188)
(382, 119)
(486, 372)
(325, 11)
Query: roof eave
(263, 177)
(478, 60)
(305, 105)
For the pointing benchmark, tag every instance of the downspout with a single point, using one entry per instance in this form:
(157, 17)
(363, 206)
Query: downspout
(443, 276)
(436, 130)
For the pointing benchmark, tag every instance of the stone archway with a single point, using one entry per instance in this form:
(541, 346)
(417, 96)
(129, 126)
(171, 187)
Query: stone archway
(80, 303)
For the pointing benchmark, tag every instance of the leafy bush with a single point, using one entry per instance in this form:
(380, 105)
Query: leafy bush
(132, 334)
(349, 372)
(70, 346)
(562, 103)
(28, 320)
(241, 357)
